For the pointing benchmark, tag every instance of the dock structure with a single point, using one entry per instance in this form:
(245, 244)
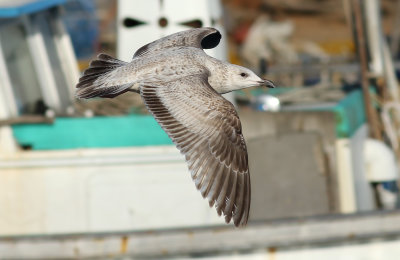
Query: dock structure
(266, 237)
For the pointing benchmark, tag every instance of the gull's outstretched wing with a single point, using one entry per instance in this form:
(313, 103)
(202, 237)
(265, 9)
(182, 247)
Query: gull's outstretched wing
(203, 38)
(206, 129)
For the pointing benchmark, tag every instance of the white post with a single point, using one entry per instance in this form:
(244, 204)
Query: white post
(8, 104)
(347, 193)
(42, 63)
(66, 53)
(8, 108)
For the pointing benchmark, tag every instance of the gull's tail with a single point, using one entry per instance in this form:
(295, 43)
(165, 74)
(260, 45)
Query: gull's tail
(105, 77)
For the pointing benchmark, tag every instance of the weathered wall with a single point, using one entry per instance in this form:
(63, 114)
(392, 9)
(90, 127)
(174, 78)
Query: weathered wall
(292, 163)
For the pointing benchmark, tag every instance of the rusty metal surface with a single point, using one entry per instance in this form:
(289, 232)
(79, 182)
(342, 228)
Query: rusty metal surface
(304, 232)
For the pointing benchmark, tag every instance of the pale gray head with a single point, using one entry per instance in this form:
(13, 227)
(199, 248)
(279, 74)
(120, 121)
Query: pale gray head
(239, 77)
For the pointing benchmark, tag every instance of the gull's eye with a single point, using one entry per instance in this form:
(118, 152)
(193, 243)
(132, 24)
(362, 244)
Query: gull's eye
(244, 75)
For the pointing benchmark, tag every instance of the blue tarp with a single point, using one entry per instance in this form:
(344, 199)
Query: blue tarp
(13, 9)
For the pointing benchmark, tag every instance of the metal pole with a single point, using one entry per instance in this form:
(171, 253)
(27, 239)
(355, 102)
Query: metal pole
(362, 55)
(394, 47)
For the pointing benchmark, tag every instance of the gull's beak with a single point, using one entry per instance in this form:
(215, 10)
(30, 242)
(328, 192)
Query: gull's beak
(267, 83)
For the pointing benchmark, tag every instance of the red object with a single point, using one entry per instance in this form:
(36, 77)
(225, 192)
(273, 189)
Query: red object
(240, 33)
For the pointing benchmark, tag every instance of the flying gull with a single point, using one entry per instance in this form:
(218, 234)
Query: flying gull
(181, 86)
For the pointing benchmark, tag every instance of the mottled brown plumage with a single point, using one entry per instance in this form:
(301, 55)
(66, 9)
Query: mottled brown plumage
(181, 86)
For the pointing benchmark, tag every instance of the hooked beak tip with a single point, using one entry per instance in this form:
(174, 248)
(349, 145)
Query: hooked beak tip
(267, 83)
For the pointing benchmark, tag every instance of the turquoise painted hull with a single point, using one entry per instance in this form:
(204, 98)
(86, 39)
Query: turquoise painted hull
(96, 132)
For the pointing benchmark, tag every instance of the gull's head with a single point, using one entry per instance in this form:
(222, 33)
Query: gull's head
(240, 77)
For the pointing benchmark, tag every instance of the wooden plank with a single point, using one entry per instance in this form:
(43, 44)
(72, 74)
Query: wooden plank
(29, 119)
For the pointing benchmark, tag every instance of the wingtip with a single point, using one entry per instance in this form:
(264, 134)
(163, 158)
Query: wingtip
(211, 40)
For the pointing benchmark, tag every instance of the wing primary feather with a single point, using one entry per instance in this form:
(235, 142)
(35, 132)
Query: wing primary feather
(197, 165)
(201, 173)
(246, 202)
(238, 209)
(221, 201)
(231, 198)
(209, 178)
(216, 184)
